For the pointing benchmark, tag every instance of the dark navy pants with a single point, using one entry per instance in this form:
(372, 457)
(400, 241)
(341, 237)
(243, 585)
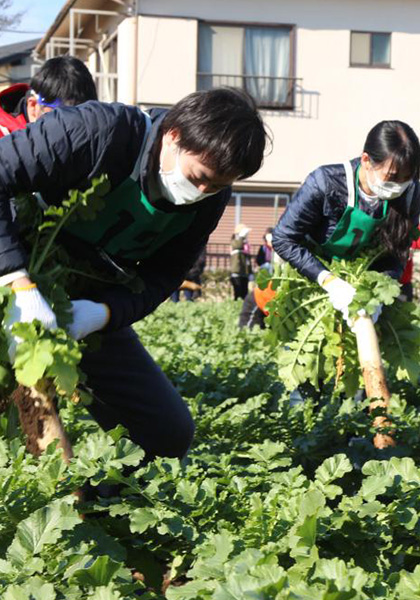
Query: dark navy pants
(240, 286)
(130, 389)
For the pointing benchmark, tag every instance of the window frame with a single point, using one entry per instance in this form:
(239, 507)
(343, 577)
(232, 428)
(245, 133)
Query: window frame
(290, 103)
(370, 65)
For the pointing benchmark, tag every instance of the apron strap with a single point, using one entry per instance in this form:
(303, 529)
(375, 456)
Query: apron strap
(136, 171)
(350, 183)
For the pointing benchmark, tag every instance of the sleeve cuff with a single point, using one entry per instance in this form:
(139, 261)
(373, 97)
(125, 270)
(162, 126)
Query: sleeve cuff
(98, 315)
(323, 276)
(6, 279)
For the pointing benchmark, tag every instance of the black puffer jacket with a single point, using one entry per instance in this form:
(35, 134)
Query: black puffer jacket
(196, 271)
(315, 210)
(64, 150)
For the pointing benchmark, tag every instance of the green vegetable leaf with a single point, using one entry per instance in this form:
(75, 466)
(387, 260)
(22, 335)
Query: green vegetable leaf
(42, 527)
(99, 572)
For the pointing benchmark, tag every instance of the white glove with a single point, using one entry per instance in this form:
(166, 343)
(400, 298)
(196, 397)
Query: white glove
(26, 306)
(88, 317)
(340, 294)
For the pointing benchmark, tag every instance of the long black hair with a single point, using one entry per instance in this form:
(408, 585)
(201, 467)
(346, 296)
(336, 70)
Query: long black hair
(397, 141)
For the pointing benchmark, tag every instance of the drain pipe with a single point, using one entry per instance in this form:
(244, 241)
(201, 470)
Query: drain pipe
(127, 60)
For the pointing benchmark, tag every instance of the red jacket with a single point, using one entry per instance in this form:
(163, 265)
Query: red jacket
(407, 276)
(10, 118)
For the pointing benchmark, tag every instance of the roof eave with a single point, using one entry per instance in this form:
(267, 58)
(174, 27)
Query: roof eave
(55, 25)
(15, 56)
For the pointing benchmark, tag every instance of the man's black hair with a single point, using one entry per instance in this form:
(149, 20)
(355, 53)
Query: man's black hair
(64, 78)
(224, 127)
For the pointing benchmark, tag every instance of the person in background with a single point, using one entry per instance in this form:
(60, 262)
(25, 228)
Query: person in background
(11, 118)
(191, 286)
(253, 311)
(342, 208)
(61, 81)
(265, 251)
(240, 261)
(407, 277)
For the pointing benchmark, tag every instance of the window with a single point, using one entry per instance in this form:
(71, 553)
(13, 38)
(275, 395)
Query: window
(254, 58)
(370, 49)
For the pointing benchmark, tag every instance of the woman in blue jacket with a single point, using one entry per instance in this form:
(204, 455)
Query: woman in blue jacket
(341, 207)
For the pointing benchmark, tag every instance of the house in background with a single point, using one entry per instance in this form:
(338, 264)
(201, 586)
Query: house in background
(89, 29)
(16, 63)
(322, 73)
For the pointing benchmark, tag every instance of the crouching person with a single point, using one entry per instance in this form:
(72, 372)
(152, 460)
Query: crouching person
(170, 173)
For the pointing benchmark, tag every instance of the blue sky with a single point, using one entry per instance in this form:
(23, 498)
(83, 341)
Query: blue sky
(39, 15)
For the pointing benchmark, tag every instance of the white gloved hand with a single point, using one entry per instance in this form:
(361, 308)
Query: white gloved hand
(88, 317)
(26, 306)
(340, 294)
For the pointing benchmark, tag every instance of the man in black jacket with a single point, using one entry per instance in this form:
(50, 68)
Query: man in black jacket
(170, 174)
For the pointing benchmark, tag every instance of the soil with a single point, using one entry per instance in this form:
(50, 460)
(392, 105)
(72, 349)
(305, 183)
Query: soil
(39, 419)
(4, 403)
(32, 414)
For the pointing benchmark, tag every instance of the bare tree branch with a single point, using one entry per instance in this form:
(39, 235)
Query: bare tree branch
(9, 20)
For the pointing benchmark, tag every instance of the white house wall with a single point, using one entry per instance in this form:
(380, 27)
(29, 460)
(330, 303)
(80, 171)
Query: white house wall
(336, 105)
(166, 60)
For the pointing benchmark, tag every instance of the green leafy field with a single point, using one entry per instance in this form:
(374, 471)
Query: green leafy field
(279, 498)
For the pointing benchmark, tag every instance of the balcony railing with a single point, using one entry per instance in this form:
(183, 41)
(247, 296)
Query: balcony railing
(218, 255)
(268, 92)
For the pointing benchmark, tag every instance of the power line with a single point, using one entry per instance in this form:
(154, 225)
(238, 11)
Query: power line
(20, 31)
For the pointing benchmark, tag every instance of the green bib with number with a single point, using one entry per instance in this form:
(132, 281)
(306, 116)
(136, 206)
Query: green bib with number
(355, 228)
(128, 226)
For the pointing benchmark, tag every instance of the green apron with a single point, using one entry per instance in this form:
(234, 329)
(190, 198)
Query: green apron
(355, 228)
(128, 226)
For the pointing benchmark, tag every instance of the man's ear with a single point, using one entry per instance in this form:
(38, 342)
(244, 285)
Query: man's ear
(172, 135)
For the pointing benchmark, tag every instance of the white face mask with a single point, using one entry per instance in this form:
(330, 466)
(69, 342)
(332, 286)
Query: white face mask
(177, 188)
(387, 190)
